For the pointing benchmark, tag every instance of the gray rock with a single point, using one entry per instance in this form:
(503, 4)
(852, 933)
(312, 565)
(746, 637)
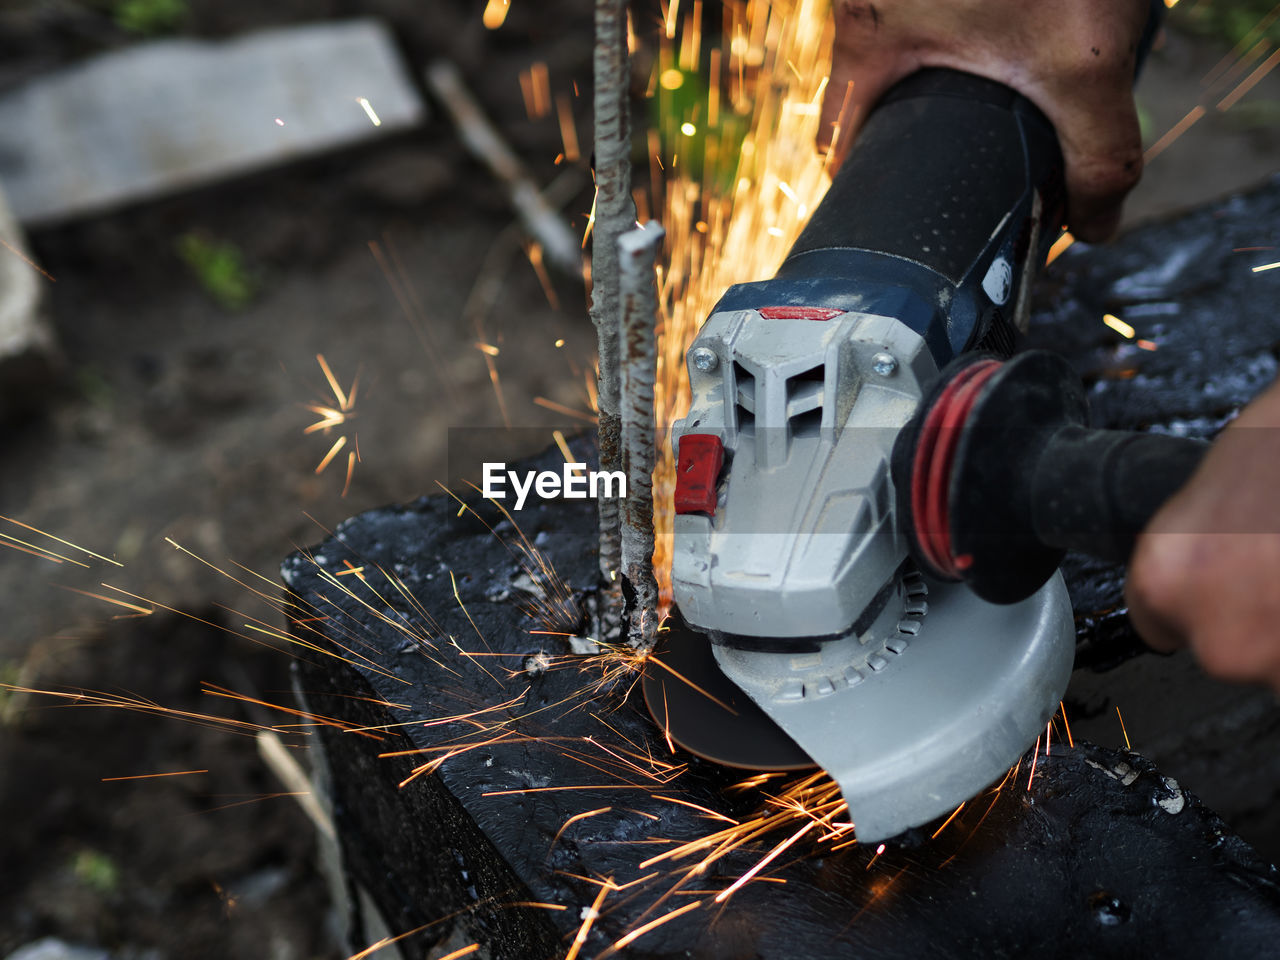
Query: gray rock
(51, 948)
(164, 116)
(27, 351)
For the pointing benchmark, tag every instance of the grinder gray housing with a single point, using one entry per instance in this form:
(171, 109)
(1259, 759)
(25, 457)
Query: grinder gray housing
(913, 694)
(803, 536)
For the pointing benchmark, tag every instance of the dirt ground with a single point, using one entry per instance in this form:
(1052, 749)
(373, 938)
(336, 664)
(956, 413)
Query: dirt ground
(177, 418)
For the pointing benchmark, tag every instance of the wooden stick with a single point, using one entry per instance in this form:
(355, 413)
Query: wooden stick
(290, 773)
(559, 246)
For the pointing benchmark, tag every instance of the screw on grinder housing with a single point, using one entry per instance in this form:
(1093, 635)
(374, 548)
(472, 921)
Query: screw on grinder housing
(998, 476)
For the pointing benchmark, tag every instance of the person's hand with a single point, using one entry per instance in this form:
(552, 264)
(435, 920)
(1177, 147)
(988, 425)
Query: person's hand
(1206, 571)
(1074, 59)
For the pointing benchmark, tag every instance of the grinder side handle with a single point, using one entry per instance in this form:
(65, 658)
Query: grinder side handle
(998, 476)
(1094, 491)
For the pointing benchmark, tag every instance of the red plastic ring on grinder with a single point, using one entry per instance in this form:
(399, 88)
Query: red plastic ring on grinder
(931, 468)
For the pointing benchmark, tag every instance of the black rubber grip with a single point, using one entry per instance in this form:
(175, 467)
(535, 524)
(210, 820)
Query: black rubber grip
(1093, 491)
(1030, 480)
(938, 168)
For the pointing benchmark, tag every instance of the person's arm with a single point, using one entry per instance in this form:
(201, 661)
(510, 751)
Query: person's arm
(1206, 571)
(1074, 59)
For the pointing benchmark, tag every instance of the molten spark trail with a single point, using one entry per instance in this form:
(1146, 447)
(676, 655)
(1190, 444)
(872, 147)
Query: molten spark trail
(734, 193)
(335, 416)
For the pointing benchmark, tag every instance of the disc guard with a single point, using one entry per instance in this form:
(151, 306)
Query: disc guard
(934, 702)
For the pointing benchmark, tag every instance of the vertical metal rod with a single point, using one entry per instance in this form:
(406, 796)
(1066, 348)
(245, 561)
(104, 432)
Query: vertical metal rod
(615, 213)
(637, 251)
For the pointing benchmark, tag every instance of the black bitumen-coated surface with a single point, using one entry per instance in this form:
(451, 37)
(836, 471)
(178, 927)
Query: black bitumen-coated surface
(1084, 863)
(1099, 856)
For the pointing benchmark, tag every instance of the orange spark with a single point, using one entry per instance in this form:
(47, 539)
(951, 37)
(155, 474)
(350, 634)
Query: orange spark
(954, 813)
(1119, 326)
(567, 411)
(22, 546)
(563, 445)
(1177, 130)
(387, 941)
(572, 820)
(585, 786)
(1059, 247)
(713, 814)
(367, 107)
(495, 13)
(149, 776)
(743, 880)
(412, 308)
(685, 680)
(352, 457)
(534, 252)
(589, 916)
(333, 452)
(335, 416)
(736, 194)
(640, 931)
(879, 850)
(568, 130)
(65, 543)
(535, 85)
(670, 19)
(1249, 82)
(27, 260)
(136, 608)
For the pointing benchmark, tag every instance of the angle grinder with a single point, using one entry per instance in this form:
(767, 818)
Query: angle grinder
(872, 500)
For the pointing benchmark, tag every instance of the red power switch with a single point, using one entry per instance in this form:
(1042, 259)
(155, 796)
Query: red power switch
(697, 470)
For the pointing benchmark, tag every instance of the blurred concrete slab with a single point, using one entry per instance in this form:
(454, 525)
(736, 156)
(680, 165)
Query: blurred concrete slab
(160, 117)
(27, 350)
(51, 948)
(1223, 151)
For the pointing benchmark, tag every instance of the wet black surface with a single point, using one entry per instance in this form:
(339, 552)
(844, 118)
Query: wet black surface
(1186, 286)
(1093, 854)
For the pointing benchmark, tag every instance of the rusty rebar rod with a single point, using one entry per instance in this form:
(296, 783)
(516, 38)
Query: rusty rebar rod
(637, 251)
(615, 213)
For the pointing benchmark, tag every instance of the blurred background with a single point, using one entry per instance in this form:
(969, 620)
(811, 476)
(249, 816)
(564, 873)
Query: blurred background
(162, 386)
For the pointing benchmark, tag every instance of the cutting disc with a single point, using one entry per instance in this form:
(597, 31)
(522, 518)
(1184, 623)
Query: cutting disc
(936, 700)
(705, 713)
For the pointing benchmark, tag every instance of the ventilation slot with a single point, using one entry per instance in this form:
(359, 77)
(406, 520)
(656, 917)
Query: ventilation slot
(745, 389)
(804, 401)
